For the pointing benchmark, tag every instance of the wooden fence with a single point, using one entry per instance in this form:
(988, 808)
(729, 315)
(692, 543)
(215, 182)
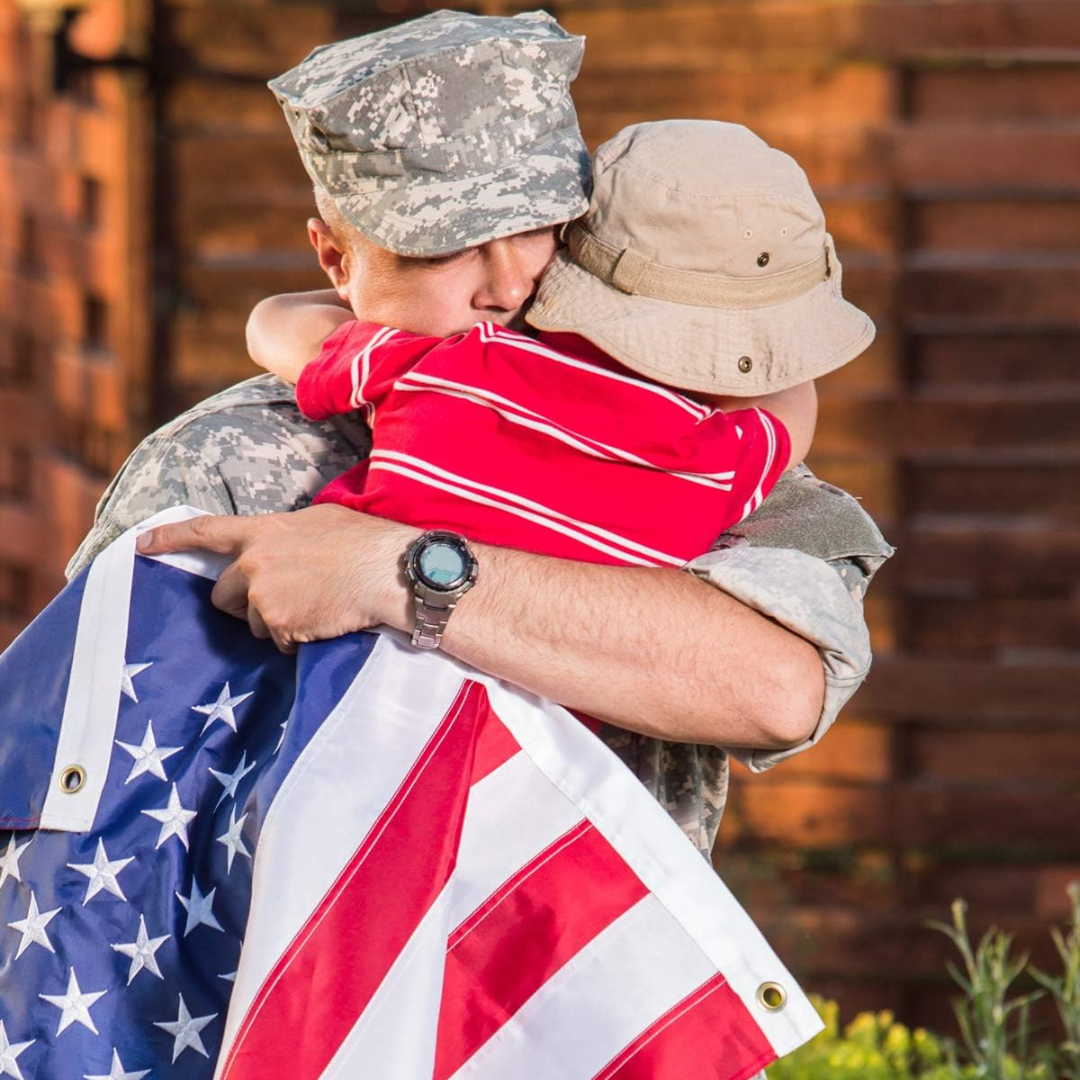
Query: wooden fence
(149, 195)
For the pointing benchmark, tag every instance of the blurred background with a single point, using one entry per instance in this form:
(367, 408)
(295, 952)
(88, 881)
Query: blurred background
(150, 194)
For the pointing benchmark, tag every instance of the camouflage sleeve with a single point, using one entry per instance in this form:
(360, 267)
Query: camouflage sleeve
(805, 561)
(160, 473)
(247, 450)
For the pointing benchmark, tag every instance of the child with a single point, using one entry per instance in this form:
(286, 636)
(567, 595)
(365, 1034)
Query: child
(557, 444)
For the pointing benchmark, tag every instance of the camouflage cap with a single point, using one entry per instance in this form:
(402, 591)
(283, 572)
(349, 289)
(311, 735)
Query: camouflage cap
(444, 132)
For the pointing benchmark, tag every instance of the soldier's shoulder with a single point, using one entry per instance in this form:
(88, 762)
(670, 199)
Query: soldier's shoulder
(814, 516)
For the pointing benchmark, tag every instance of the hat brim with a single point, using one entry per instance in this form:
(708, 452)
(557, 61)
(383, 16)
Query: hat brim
(544, 187)
(700, 348)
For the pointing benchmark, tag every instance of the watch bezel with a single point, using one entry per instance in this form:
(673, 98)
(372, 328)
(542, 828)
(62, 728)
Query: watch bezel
(416, 575)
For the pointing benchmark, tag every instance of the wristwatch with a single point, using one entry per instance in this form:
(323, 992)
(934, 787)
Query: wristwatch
(441, 569)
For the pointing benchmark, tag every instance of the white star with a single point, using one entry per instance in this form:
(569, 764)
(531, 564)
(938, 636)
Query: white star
(231, 977)
(231, 781)
(232, 839)
(9, 1051)
(148, 755)
(141, 951)
(74, 1006)
(174, 819)
(222, 709)
(185, 1031)
(102, 874)
(281, 739)
(9, 863)
(199, 908)
(33, 928)
(117, 1071)
(130, 671)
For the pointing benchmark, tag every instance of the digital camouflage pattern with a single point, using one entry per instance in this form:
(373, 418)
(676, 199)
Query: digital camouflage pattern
(805, 558)
(444, 132)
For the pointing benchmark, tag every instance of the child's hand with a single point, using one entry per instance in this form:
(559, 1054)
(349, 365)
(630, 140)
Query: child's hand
(286, 332)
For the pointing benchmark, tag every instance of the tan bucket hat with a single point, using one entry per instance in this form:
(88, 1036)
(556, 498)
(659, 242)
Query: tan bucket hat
(703, 263)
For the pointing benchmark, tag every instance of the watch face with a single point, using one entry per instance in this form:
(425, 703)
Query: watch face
(442, 565)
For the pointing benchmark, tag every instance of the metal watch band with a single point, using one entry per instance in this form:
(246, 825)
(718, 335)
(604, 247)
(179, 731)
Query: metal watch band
(431, 620)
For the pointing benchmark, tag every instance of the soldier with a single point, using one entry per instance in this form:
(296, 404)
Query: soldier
(445, 152)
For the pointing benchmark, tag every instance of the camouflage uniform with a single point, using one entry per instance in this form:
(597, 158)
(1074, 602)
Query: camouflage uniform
(804, 559)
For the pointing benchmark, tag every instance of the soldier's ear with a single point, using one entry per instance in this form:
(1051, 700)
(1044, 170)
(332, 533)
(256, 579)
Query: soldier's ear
(333, 255)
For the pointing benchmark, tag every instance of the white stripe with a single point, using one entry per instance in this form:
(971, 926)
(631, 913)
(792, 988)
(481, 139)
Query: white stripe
(628, 976)
(361, 367)
(88, 725)
(513, 814)
(332, 796)
(770, 435)
(395, 1036)
(472, 496)
(510, 501)
(516, 341)
(654, 847)
(419, 382)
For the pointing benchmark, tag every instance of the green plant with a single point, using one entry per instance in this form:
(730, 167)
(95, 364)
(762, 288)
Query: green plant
(994, 1026)
(873, 1046)
(1066, 990)
(994, 1022)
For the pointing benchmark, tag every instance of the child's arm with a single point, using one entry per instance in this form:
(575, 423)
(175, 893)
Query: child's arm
(796, 409)
(286, 332)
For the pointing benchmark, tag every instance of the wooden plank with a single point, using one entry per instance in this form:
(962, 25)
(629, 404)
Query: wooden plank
(971, 692)
(853, 750)
(996, 225)
(839, 95)
(805, 814)
(1045, 422)
(209, 170)
(1029, 92)
(699, 36)
(988, 158)
(1016, 291)
(228, 289)
(1013, 356)
(990, 556)
(931, 28)
(239, 40)
(1044, 492)
(1049, 757)
(808, 815)
(213, 227)
(203, 103)
(839, 160)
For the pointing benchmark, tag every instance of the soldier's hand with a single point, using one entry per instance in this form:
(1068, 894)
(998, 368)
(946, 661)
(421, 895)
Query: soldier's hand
(303, 576)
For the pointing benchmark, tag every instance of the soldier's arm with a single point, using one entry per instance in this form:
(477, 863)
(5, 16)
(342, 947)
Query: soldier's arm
(655, 651)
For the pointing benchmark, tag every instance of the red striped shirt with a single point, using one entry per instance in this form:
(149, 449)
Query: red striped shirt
(546, 445)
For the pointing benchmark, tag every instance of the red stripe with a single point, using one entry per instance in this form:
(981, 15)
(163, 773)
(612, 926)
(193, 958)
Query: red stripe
(709, 1035)
(341, 956)
(506, 950)
(494, 745)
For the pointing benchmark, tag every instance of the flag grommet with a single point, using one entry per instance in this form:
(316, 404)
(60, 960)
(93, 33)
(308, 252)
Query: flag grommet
(73, 780)
(771, 996)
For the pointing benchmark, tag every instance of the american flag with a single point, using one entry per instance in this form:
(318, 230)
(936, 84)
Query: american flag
(364, 861)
